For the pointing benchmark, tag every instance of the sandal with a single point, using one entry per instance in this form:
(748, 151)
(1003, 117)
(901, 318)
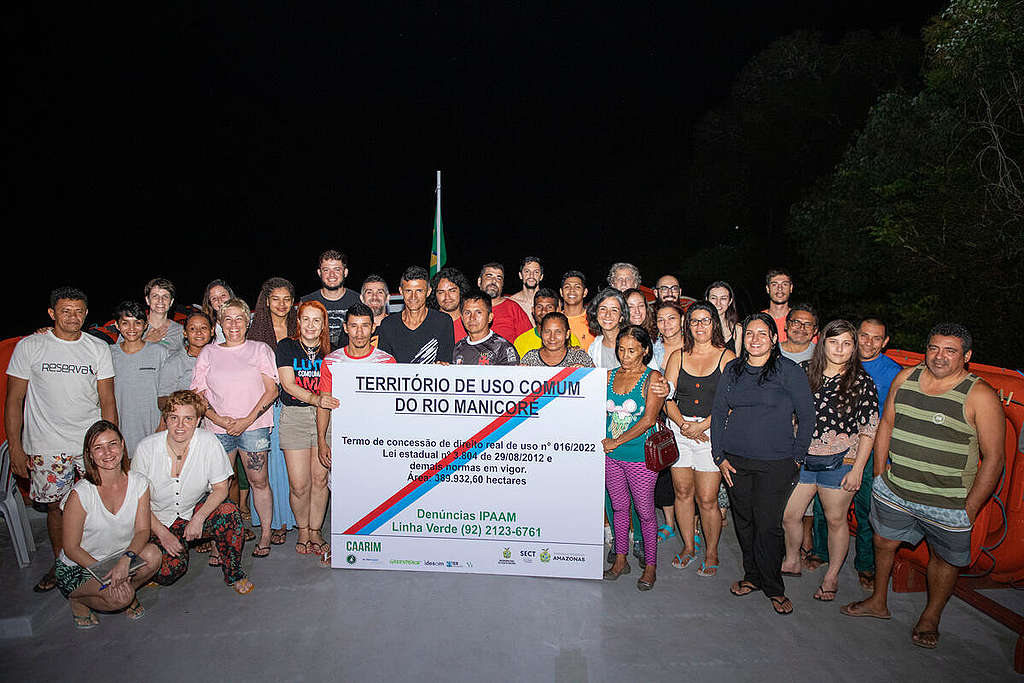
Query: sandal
(84, 622)
(741, 588)
(825, 595)
(246, 515)
(204, 547)
(261, 550)
(250, 535)
(215, 561)
(707, 569)
(666, 532)
(610, 575)
(243, 586)
(278, 536)
(681, 561)
(135, 611)
(325, 559)
(48, 582)
(866, 580)
(781, 605)
(929, 640)
(318, 547)
(302, 547)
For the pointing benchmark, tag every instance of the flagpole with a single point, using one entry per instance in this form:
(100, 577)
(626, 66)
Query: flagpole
(437, 246)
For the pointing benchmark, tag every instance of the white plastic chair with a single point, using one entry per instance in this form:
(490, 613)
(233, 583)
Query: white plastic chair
(13, 510)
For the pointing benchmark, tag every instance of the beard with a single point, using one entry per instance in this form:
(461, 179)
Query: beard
(331, 288)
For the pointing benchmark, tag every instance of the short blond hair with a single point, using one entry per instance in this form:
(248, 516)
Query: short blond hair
(235, 302)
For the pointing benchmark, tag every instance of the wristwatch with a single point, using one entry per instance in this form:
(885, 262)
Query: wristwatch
(131, 555)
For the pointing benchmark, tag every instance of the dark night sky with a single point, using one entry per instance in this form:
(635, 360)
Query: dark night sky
(240, 139)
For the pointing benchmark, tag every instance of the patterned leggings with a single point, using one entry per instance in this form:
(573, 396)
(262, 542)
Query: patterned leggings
(625, 478)
(224, 526)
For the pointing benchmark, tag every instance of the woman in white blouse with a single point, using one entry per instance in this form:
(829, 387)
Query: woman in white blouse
(189, 474)
(106, 515)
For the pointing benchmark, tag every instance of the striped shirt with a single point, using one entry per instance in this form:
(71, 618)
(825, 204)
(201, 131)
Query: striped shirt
(933, 450)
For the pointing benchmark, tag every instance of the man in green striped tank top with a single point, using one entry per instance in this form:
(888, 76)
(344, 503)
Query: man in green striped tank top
(943, 429)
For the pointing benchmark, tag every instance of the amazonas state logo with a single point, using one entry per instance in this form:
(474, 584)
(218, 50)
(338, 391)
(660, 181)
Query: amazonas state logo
(545, 556)
(506, 553)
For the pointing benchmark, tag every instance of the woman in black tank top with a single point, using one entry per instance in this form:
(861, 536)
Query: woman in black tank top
(696, 369)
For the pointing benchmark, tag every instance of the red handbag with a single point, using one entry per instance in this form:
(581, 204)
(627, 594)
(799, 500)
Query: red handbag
(660, 449)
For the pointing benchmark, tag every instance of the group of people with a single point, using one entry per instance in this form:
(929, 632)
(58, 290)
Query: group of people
(149, 446)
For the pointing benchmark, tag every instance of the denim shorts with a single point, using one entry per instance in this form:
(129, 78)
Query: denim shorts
(251, 441)
(828, 479)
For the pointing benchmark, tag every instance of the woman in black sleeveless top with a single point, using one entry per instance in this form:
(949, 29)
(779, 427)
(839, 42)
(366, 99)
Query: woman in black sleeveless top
(696, 369)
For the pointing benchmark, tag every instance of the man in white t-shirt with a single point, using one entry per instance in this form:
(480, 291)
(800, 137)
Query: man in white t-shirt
(359, 328)
(58, 384)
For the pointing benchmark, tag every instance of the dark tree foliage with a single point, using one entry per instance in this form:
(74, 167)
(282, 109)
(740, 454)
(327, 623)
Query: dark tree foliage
(790, 116)
(923, 220)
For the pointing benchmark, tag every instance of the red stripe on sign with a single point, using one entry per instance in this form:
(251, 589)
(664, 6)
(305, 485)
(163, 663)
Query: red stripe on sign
(444, 462)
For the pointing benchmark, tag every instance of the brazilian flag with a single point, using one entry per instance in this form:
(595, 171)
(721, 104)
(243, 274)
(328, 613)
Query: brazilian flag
(438, 252)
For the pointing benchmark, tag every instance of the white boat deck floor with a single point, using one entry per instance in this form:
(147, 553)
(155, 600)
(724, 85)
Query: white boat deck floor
(305, 623)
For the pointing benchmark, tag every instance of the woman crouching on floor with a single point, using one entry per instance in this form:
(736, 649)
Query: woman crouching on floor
(189, 475)
(106, 514)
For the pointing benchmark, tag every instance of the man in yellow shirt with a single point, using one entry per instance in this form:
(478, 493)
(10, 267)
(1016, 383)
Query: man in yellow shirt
(544, 301)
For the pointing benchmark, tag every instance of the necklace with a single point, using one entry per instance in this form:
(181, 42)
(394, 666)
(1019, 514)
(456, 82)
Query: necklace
(310, 351)
(178, 456)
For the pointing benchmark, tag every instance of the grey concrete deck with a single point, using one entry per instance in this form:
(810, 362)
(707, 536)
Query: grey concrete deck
(304, 623)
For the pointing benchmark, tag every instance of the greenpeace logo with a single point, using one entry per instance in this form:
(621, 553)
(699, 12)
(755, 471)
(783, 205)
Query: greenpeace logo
(67, 369)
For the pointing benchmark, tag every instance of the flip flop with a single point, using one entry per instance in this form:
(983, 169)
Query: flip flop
(278, 536)
(261, 551)
(48, 582)
(666, 532)
(823, 595)
(916, 637)
(250, 535)
(215, 561)
(84, 622)
(681, 561)
(795, 575)
(780, 604)
(243, 586)
(135, 611)
(848, 610)
(741, 588)
(707, 569)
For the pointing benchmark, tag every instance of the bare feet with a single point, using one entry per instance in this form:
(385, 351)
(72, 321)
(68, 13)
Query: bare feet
(862, 608)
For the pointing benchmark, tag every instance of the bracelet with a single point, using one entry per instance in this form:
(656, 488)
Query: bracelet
(130, 555)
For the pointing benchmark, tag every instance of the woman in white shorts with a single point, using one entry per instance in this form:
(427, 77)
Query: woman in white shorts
(696, 369)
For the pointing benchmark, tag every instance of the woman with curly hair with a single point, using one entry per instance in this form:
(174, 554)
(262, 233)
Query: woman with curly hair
(274, 319)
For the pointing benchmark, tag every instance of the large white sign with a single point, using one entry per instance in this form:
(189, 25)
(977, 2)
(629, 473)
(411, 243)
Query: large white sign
(495, 470)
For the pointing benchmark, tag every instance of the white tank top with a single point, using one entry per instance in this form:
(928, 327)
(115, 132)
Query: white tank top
(104, 533)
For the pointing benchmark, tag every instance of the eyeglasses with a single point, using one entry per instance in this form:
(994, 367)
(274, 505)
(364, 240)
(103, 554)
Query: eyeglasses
(666, 288)
(700, 322)
(806, 324)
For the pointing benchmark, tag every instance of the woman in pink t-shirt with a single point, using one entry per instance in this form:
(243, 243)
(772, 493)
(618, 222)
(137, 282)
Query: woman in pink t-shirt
(238, 378)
